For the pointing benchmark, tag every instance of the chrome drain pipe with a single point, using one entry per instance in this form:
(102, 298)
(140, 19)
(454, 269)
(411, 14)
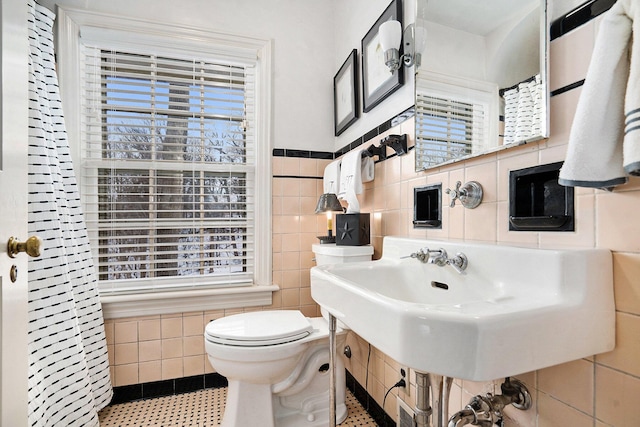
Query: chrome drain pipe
(332, 366)
(423, 408)
(432, 399)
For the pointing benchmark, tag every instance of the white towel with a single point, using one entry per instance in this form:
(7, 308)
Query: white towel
(604, 144)
(331, 177)
(351, 179)
(367, 172)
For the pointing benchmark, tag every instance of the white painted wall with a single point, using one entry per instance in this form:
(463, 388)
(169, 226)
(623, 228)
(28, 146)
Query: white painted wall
(312, 38)
(302, 32)
(352, 21)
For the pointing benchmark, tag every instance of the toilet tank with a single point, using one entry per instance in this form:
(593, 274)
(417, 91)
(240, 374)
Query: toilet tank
(329, 253)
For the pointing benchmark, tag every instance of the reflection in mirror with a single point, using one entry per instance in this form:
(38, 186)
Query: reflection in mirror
(481, 83)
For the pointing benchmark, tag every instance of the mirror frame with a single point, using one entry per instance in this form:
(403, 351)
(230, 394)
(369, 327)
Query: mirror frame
(544, 75)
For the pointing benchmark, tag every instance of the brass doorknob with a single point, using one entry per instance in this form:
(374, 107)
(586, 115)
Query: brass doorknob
(31, 246)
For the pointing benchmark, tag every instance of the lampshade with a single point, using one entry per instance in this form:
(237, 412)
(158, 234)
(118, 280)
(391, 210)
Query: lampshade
(390, 34)
(328, 202)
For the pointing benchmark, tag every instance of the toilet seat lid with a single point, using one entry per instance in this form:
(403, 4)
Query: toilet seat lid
(259, 328)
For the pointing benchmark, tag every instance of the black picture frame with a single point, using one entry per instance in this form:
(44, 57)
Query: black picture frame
(345, 94)
(377, 82)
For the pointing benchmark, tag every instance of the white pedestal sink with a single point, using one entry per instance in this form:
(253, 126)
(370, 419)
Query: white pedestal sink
(513, 310)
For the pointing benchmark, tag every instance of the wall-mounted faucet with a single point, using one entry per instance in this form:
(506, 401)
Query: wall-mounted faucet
(440, 258)
(470, 194)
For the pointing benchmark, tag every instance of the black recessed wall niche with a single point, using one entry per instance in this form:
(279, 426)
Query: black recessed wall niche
(427, 206)
(537, 202)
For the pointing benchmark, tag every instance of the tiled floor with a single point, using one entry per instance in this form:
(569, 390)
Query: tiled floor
(198, 409)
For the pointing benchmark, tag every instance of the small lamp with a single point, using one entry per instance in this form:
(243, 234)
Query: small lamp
(391, 36)
(328, 202)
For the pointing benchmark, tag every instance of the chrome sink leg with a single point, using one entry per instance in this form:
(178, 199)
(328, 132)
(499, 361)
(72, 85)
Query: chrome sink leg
(332, 365)
(432, 399)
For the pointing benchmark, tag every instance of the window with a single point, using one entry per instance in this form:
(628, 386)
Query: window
(445, 129)
(172, 139)
(454, 117)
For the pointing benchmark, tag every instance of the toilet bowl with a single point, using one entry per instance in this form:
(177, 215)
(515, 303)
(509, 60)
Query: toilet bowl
(277, 362)
(277, 366)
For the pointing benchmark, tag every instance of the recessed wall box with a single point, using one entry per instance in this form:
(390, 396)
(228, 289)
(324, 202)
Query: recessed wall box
(427, 206)
(537, 202)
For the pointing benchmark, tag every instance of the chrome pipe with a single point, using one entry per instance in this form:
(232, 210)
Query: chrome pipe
(446, 391)
(332, 367)
(423, 409)
(462, 418)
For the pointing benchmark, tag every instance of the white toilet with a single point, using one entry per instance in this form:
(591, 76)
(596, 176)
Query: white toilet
(277, 361)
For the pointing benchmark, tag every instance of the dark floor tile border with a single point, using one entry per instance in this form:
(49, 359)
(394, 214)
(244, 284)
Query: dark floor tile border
(368, 403)
(130, 393)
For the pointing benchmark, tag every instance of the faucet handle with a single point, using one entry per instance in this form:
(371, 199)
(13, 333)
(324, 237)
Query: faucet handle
(421, 255)
(454, 194)
(470, 195)
(459, 262)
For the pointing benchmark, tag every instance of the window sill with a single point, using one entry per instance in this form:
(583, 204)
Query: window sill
(135, 305)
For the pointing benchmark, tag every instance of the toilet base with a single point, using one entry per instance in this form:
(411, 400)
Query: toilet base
(260, 410)
(317, 419)
(257, 411)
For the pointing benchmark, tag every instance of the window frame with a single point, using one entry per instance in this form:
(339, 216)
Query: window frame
(169, 39)
(468, 91)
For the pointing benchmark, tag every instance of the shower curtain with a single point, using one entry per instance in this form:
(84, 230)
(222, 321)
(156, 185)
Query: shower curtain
(523, 111)
(68, 363)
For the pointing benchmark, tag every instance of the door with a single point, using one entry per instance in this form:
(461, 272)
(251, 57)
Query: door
(13, 211)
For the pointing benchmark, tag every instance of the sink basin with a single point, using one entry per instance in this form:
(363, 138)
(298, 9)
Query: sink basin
(513, 310)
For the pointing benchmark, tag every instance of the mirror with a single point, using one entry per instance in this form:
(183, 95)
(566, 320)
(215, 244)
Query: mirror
(481, 78)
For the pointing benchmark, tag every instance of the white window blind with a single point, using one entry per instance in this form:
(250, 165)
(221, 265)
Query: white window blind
(169, 172)
(446, 129)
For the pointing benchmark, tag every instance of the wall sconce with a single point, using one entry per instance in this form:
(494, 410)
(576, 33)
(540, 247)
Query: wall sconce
(328, 202)
(391, 36)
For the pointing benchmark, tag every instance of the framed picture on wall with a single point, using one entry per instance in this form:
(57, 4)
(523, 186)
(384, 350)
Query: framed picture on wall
(345, 94)
(377, 81)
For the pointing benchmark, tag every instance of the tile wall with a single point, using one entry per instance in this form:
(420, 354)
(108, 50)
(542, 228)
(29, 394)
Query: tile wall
(594, 392)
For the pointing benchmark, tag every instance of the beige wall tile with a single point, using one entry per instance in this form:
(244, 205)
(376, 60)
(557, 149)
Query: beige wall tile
(194, 365)
(571, 383)
(626, 278)
(193, 325)
(125, 332)
(149, 330)
(150, 371)
(570, 56)
(126, 374)
(171, 348)
(291, 166)
(615, 229)
(617, 397)
(290, 188)
(193, 346)
(126, 353)
(553, 413)
(172, 368)
(171, 327)
(149, 350)
(109, 331)
(626, 355)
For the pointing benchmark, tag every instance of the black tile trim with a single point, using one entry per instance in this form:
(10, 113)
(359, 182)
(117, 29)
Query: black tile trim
(368, 403)
(130, 393)
(567, 88)
(297, 177)
(304, 154)
(579, 16)
(325, 155)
